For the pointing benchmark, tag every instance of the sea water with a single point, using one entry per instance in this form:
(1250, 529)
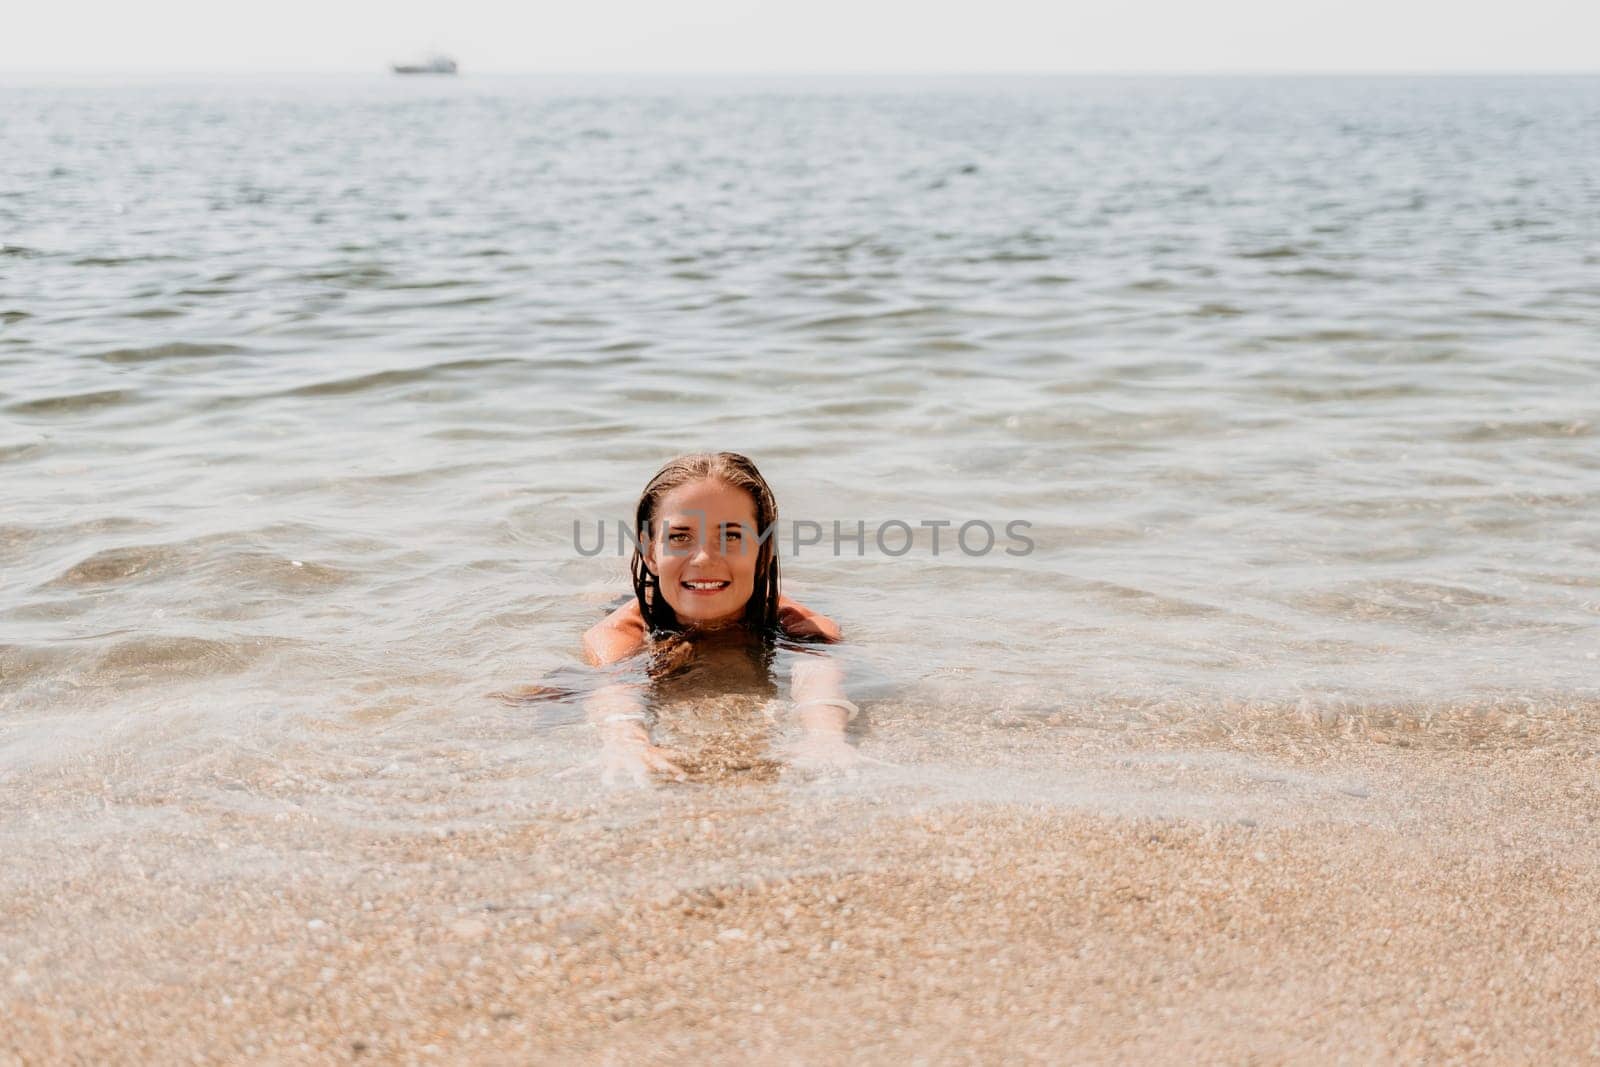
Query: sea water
(1291, 384)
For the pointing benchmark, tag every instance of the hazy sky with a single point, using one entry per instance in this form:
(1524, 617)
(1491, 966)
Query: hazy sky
(891, 36)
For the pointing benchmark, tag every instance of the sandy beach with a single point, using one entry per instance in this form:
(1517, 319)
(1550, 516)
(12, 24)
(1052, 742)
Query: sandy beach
(1334, 899)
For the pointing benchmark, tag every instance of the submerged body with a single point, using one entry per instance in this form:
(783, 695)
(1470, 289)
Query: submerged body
(623, 633)
(618, 709)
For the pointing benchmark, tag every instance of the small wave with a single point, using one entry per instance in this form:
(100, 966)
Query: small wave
(1160, 368)
(1318, 274)
(19, 252)
(114, 565)
(1390, 355)
(1325, 336)
(1501, 315)
(581, 322)
(21, 450)
(896, 316)
(1107, 425)
(176, 350)
(952, 344)
(384, 379)
(162, 657)
(1439, 592)
(416, 478)
(20, 664)
(432, 305)
(120, 261)
(443, 283)
(1083, 535)
(1274, 252)
(1421, 603)
(1156, 605)
(354, 277)
(1010, 257)
(292, 575)
(853, 296)
(13, 317)
(14, 536)
(1520, 222)
(470, 433)
(213, 557)
(648, 395)
(1151, 285)
(879, 406)
(1528, 428)
(1549, 722)
(1321, 394)
(73, 402)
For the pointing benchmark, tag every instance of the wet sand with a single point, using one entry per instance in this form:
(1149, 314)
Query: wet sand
(1343, 900)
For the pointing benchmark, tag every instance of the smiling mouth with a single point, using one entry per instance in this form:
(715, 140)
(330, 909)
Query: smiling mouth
(705, 586)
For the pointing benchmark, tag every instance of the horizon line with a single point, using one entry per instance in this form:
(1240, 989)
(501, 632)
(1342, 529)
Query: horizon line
(1129, 72)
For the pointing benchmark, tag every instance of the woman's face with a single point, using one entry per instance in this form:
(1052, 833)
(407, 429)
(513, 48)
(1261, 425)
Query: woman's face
(703, 551)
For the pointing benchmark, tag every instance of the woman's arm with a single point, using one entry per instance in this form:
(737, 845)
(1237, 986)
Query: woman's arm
(799, 621)
(627, 750)
(817, 686)
(617, 710)
(615, 637)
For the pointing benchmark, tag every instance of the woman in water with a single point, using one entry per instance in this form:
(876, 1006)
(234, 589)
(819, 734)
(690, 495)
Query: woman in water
(705, 571)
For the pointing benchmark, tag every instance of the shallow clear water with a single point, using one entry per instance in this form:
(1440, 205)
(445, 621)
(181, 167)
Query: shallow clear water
(304, 386)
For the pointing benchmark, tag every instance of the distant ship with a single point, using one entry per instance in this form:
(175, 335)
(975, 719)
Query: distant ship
(434, 65)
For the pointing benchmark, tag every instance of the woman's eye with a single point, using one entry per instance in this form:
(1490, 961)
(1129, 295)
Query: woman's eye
(679, 538)
(733, 533)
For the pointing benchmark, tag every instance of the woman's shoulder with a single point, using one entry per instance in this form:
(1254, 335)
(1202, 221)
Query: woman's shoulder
(615, 637)
(801, 622)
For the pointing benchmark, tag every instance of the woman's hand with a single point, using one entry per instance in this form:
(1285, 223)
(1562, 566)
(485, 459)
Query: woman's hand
(628, 757)
(824, 752)
(823, 714)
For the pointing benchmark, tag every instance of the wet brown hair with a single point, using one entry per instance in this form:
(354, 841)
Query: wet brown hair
(736, 472)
